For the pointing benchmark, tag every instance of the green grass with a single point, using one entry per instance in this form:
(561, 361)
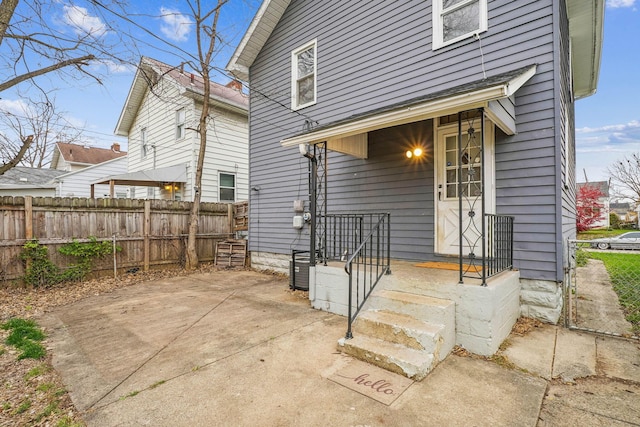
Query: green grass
(25, 335)
(36, 372)
(68, 422)
(599, 233)
(624, 271)
(24, 406)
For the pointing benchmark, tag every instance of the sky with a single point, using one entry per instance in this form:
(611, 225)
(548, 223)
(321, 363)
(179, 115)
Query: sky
(607, 123)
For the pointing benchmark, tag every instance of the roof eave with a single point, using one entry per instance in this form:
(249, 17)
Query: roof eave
(586, 29)
(263, 23)
(220, 102)
(415, 112)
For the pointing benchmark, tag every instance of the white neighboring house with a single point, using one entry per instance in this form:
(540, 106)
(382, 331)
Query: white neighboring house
(159, 119)
(78, 183)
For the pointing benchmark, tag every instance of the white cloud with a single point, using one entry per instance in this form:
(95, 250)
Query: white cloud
(14, 106)
(84, 24)
(620, 3)
(176, 26)
(118, 68)
(633, 124)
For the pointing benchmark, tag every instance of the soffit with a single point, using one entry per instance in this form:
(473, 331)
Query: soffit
(586, 25)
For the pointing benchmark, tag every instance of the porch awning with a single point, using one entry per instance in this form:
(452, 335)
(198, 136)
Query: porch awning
(495, 94)
(148, 178)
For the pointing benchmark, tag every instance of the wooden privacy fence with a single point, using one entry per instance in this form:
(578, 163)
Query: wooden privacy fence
(150, 232)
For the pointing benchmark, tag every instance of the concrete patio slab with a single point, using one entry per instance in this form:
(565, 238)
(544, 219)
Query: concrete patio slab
(237, 348)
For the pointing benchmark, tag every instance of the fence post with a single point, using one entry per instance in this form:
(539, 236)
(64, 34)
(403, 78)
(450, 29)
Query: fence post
(147, 232)
(28, 217)
(230, 216)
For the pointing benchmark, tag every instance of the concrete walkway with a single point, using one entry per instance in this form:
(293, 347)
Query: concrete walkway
(239, 349)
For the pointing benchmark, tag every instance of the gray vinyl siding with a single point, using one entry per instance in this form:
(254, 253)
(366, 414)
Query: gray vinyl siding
(567, 145)
(387, 58)
(387, 182)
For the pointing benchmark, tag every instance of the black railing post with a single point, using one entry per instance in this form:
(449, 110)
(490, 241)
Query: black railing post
(349, 334)
(388, 248)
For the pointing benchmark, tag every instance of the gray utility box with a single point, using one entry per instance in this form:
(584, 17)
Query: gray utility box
(299, 270)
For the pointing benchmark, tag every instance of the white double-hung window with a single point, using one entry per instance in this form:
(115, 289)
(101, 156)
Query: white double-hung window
(304, 75)
(455, 20)
(180, 123)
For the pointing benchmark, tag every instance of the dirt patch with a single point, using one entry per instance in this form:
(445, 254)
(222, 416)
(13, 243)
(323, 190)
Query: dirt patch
(524, 325)
(32, 392)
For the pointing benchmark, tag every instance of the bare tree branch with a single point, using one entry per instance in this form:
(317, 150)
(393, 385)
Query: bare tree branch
(82, 61)
(40, 121)
(26, 143)
(625, 174)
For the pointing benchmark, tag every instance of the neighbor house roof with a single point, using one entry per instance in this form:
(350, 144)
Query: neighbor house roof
(25, 177)
(191, 84)
(586, 20)
(85, 155)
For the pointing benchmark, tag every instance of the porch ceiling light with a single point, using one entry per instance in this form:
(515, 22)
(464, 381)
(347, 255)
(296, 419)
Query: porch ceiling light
(416, 152)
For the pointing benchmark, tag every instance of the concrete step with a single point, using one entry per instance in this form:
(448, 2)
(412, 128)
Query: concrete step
(400, 329)
(429, 309)
(398, 358)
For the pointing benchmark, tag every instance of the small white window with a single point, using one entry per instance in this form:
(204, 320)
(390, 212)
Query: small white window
(143, 143)
(180, 120)
(304, 76)
(455, 20)
(227, 187)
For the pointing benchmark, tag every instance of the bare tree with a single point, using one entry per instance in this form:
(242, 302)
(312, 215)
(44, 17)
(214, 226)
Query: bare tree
(625, 175)
(40, 120)
(32, 46)
(206, 25)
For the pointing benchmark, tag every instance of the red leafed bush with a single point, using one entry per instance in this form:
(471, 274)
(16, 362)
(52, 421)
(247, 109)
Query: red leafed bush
(589, 209)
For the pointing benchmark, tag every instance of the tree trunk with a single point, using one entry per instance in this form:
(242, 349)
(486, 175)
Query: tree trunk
(7, 8)
(204, 58)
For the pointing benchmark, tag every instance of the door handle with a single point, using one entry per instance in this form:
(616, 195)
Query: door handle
(440, 196)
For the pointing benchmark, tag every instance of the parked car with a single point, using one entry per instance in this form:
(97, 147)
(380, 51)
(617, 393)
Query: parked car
(630, 240)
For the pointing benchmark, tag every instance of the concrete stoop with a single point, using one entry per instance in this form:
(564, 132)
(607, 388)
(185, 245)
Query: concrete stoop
(405, 333)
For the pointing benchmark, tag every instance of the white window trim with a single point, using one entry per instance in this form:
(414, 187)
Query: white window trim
(294, 74)
(181, 131)
(436, 20)
(235, 186)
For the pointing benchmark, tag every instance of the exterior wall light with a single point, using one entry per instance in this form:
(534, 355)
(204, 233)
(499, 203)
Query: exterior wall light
(416, 152)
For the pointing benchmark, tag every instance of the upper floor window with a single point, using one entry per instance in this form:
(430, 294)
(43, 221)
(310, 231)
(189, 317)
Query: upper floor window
(227, 187)
(455, 20)
(304, 76)
(180, 123)
(143, 142)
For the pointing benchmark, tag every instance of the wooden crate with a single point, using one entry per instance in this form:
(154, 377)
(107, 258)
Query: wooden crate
(231, 253)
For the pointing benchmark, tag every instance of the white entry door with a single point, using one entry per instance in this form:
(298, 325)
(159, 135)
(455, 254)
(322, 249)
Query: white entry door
(448, 187)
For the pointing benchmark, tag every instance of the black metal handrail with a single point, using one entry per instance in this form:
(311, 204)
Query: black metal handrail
(500, 244)
(368, 263)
